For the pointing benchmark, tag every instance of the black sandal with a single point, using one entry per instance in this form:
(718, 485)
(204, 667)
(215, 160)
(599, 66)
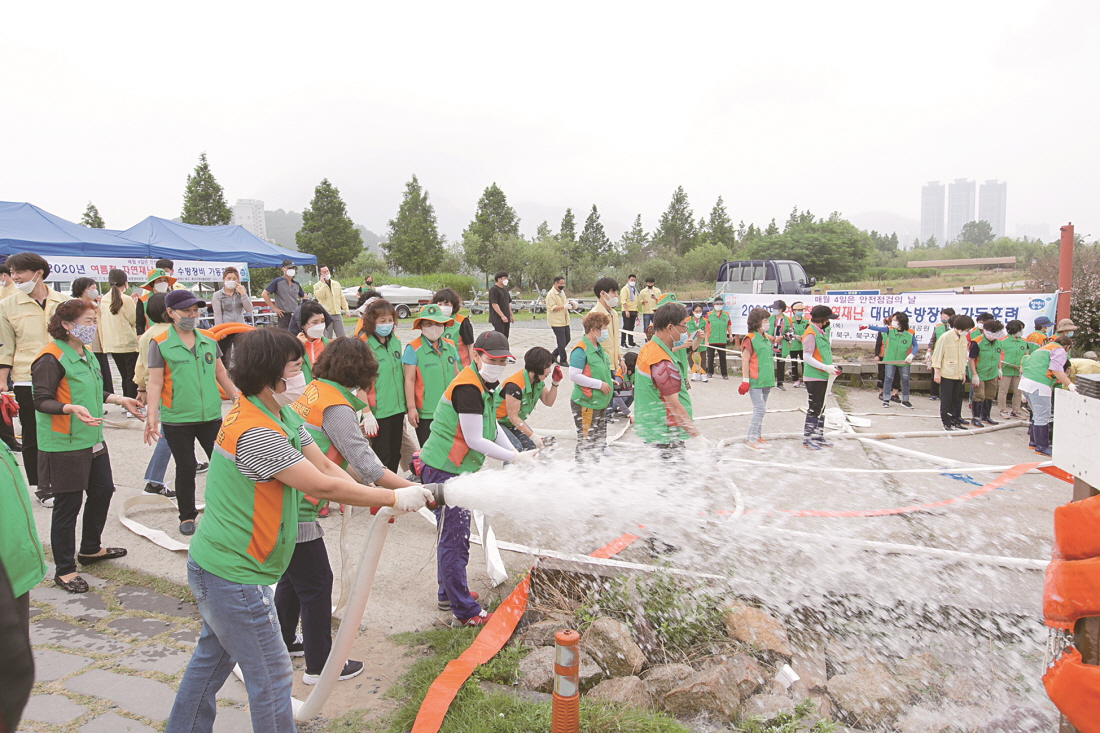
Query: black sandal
(76, 585)
(110, 553)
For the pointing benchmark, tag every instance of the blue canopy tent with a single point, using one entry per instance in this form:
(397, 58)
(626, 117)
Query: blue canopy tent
(231, 243)
(26, 228)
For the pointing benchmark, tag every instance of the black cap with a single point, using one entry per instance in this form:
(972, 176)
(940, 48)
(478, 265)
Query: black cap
(180, 299)
(287, 263)
(493, 344)
(821, 312)
(779, 305)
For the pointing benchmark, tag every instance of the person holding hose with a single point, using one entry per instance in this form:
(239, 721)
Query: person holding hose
(247, 537)
(464, 433)
(949, 370)
(329, 407)
(757, 373)
(185, 371)
(72, 457)
(461, 332)
(984, 361)
(719, 333)
(818, 357)
(1042, 369)
(384, 421)
(590, 372)
(430, 363)
(538, 381)
(901, 346)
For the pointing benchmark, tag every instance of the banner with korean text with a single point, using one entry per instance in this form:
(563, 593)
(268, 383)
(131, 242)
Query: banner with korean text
(923, 309)
(67, 269)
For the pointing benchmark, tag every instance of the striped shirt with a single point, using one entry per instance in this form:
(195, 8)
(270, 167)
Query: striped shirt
(262, 453)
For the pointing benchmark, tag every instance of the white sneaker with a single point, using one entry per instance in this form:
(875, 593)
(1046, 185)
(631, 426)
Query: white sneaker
(704, 377)
(609, 453)
(47, 502)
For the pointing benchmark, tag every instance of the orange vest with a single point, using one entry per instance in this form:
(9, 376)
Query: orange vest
(317, 397)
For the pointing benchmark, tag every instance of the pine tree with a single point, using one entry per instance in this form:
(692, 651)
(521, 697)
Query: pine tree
(772, 229)
(414, 243)
(494, 222)
(676, 228)
(91, 218)
(720, 227)
(543, 232)
(203, 198)
(327, 231)
(568, 228)
(594, 243)
(634, 242)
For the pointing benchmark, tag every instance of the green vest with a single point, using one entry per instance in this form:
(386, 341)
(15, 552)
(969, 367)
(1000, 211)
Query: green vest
(718, 326)
(81, 385)
(389, 386)
(1037, 366)
(987, 359)
(765, 362)
(445, 450)
(529, 393)
(823, 352)
(650, 420)
(437, 369)
(898, 345)
(694, 325)
(798, 325)
(1014, 349)
(939, 330)
(20, 550)
(190, 392)
(597, 366)
(248, 530)
(781, 347)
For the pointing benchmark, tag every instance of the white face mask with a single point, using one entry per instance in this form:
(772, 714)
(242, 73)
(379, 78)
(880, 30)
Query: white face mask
(230, 285)
(295, 386)
(603, 336)
(27, 287)
(161, 287)
(718, 307)
(491, 372)
(612, 301)
(446, 309)
(504, 282)
(432, 332)
(895, 324)
(316, 331)
(91, 293)
(291, 272)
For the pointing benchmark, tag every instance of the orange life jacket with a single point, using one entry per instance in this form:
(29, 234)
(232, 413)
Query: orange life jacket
(1071, 590)
(1074, 687)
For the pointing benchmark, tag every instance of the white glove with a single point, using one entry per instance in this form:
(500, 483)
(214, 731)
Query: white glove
(411, 498)
(909, 359)
(1072, 387)
(527, 456)
(370, 424)
(699, 444)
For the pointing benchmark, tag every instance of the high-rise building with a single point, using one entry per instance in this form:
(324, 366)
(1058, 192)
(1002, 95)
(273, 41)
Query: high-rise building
(961, 195)
(249, 213)
(932, 200)
(991, 205)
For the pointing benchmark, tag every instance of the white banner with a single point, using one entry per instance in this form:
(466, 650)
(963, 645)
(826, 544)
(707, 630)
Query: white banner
(67, 269)
(923, 309)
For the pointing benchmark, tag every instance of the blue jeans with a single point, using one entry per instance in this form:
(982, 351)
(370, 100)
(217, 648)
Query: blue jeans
(158, 462)
(647, 321)
(239, 626)
(759, 407)
(518, 440)
(888, 381)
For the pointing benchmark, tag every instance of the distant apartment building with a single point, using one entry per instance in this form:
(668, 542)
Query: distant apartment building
(961, 195)
(992, 204)
(249, 213)
(932, 203)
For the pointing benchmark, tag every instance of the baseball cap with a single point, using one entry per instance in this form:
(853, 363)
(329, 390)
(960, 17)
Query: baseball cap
(493, 344)
(779, 305)
(181, 299)
(1043, 322)
(821, 312)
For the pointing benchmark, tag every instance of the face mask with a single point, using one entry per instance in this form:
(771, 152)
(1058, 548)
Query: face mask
(295, 386)
(603, 336)
(491, 372)
(316, 331)
(504, 282)
(161, 287)
(681, 340)
(230, 285)
(383, 329)
(370, 283)
(91, 293)
(325, 278)
(83, 333)
(432, 333)
(559, 288)
(1068, 333)
(187, 323)
(718, 307)
(28, 286)
(612, 301)
(698, 315)
(945, 319)
(894, 324)
(291, 272)
(446, 309)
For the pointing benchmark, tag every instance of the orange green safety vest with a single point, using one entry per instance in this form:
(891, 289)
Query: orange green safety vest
(823, 352)
(435, 368)
(598, 366)
(190, 392)
(697, 324)
(897, 344)
(529, 396)
(717, 327)
(1013, 350)
(761, 367)
(248, 530)
(452, 332)
(312, 351)
(798, 325)
(987, 357)
(652, 421)
(1037, 365)
(446, 448)
(20, 549)
(1038, 338)
(781, 346)
(82, 384)
(387, 396)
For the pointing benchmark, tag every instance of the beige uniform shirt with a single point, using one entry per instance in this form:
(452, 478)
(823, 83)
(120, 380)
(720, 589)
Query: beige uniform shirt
(647, 299)
(554, 299)
(950, 355)
(23, 331)
(118, 331)
(141, 369)
(330, 296)
(611, 346)
(628, 302)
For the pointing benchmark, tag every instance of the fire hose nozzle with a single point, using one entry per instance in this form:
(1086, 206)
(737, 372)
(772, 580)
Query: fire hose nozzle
(437, 492)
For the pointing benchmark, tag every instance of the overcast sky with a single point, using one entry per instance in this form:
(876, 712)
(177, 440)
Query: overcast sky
(847, 106)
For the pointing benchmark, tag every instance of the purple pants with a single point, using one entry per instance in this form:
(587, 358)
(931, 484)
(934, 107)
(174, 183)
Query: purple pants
(452, 550)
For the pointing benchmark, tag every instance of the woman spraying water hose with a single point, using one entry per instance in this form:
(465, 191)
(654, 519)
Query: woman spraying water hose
(247, 538)
(818, 356)
(464, 432)
(758, 373)
(538, 381)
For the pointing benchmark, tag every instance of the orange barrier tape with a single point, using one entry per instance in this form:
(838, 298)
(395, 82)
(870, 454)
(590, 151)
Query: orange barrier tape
(1057, 473)
(1074, 687)
(1075, 525)
(1071, 590)
(1012, 473)
(614, 547)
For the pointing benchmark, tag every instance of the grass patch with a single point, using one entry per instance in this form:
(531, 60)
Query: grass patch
(795, 722)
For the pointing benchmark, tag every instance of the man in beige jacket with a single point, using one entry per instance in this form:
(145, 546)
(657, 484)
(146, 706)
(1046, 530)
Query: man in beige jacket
(328, 293)
(949, 360)
(628, 301)
(606, 290)
(23, 319)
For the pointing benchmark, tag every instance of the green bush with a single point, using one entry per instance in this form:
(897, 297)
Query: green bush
(899, 273)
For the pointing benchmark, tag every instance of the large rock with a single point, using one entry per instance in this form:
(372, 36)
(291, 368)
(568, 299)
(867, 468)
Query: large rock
(812, 672)
(767, 706)
(717, 690)
(660, 680)
(536, 670)
(628, 691)
(921, 673)
(542, 633)
(609, 642)
(868, 696)
(756, 628)
(924, 720)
